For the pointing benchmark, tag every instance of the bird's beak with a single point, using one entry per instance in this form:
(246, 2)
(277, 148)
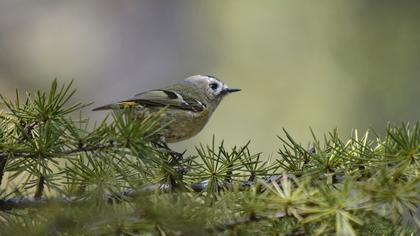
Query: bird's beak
(232, 90)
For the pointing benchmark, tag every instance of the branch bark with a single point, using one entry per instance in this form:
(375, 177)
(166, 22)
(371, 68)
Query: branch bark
(3, 161)
(37, 201)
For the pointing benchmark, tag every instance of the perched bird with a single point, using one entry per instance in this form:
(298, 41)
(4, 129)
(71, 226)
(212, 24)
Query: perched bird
(188, 105)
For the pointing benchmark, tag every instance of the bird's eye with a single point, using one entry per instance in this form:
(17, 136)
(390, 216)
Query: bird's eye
(214, 86)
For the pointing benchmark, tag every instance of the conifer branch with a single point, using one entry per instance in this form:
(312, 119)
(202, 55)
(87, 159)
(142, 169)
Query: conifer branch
(115, 178)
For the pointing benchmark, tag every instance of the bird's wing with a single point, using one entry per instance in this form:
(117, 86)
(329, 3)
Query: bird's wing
(160, 98)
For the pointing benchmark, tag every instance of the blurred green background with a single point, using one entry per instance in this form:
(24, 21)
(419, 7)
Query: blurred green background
(301, 64)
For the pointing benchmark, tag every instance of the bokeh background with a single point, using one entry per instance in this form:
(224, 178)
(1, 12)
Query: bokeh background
(320, 64)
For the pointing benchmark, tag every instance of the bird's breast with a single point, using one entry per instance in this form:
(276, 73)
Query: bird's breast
(183, 124)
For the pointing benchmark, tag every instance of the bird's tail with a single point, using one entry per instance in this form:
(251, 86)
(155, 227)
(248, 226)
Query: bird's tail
(106, 107)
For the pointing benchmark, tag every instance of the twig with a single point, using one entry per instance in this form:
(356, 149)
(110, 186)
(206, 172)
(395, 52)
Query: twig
(25, 202)
(252, 176)
(38, 201)
(39, 187)
(65, 152)
(3, 161)
(28, 202)
(229, 173)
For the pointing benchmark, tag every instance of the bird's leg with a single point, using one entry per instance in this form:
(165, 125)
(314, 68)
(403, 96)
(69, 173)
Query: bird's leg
(176, 161)
(176, 156)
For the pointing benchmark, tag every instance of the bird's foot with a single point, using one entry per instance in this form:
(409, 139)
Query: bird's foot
(176, 157)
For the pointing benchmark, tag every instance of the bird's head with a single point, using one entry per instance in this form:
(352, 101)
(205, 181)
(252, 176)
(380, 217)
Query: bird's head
(213, 88)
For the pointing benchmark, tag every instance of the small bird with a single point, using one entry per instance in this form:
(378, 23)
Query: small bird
(188, 105)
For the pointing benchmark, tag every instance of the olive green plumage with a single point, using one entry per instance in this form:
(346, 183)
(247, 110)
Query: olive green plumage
(189, 105)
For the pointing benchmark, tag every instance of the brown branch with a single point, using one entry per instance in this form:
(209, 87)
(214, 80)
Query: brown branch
(65, 152)
(5, 155)
(3, 161)
(28, 202)
(39, 187)
(38, 201)
(22, 203)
